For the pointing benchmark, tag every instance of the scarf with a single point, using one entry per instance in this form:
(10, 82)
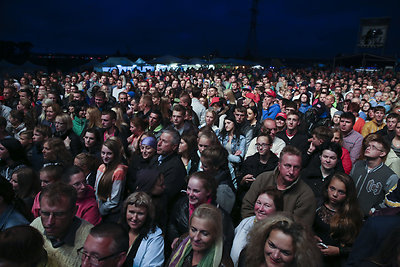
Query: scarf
(211, 259)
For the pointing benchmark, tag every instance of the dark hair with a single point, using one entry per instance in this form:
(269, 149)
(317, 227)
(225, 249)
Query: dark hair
(96, 133)
(254, 109)
(44, 130)
(216, 157)
(196, 92)
(22, 245)
(348, 115)
(191, 141)
(276, 196)
(111, 113)
(389, 251)
(347, 221)
(380, 108)
(54, 171)
(354, 107)
(69, 172)
(270, 140)
(115, 231)
(324, 133)
(236, 131)
(331, 146)
(15, 149)
(28, 183)
(392, 116)
(17, 115)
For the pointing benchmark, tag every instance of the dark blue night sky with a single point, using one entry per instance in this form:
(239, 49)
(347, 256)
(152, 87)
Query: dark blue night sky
(289, 28)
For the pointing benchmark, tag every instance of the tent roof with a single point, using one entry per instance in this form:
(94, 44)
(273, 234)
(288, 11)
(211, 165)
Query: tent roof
(91, 64)
(114, 61)
(139, 61)
(194, 61)
(167, 59)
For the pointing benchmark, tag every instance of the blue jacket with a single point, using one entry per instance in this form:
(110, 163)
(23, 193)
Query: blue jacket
(151, 250)
(271, 112)
(303, 108)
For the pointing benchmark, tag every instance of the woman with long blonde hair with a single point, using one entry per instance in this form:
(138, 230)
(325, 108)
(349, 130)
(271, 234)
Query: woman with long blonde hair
(93, 117)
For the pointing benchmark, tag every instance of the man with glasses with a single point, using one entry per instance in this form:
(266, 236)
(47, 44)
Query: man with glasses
(268, 127)
(106, 246)
(373, 179)
(297, 195)
(86, 203)
(62, 231)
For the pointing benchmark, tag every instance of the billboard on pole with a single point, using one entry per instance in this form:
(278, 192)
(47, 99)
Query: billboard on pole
(373, 32)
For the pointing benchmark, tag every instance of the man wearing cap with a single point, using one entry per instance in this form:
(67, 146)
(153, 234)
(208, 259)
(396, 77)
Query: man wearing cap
(280, 121)
(270, 109)
(217, 103)
(250, 100)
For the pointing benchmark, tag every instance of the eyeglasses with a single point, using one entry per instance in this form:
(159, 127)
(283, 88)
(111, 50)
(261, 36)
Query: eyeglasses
(262, 145)
(56, 214)
(373, 147)
(94, 260)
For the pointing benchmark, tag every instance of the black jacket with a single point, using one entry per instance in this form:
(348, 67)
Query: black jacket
(76, 146)
(174, 175)
(299, 140)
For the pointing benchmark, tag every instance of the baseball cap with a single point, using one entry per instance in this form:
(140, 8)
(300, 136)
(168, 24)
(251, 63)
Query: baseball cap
(214, 100)
(270, 93)
(251, 96)
(281, 115)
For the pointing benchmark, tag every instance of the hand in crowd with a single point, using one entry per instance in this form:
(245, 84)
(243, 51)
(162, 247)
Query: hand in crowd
(248, 178)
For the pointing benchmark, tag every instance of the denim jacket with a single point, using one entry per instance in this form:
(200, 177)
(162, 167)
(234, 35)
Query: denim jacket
(237, 144)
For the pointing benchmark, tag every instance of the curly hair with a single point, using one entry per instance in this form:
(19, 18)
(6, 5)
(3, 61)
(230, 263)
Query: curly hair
(306, 252)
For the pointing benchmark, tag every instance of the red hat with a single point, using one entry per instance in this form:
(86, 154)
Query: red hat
(251, 96)
(214, 100)
(281, 114)
(271, 93)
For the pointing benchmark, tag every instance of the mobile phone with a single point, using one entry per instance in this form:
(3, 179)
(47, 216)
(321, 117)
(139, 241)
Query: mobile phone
(322, 245)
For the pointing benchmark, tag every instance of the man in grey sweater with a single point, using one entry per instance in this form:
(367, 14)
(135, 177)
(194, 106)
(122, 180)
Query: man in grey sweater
(373, 179)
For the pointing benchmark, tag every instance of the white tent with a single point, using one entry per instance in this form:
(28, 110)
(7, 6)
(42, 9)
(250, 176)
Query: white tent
(120, 63)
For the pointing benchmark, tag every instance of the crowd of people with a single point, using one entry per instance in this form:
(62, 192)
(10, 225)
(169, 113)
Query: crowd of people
(208, 167)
